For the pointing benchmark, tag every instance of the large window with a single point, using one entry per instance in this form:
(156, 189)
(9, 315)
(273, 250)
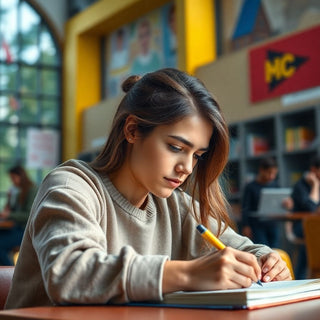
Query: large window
(30, 88)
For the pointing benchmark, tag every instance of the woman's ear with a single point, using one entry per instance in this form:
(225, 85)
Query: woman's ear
(131, 128)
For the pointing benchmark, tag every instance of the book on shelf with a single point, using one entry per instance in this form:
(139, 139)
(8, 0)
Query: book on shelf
(255, 297)
(305, 136)
(289, 139)
(299, 137)
(257, 144)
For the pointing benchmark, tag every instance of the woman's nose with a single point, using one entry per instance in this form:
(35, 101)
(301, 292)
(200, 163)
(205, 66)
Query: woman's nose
(186, 166)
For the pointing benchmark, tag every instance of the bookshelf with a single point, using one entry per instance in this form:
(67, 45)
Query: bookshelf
(291, 137)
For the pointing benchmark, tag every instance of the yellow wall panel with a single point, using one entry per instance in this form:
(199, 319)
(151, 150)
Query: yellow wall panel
(200, 35)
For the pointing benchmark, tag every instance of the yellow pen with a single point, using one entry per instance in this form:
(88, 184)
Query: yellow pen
(212, 239)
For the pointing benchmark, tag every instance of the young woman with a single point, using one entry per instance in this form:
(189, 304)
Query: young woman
(17, 209)
(121, 228)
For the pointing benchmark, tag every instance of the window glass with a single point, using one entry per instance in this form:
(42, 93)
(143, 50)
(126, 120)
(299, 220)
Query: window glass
(47, 48)
(8, 76)
(8, 142)
(23, 144)
(48, 114)
(29, 34)
(4, 107)
(30, 90)
(49, 81)
(9, 30)
(28, 112)
(28, 79)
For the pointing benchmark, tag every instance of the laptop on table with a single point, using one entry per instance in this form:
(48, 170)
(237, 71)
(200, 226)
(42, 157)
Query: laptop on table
(271, 199)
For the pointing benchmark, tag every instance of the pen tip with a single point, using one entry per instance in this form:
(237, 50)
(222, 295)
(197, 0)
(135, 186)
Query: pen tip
(259, 283)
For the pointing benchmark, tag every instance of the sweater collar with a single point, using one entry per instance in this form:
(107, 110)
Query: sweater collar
(122, 202)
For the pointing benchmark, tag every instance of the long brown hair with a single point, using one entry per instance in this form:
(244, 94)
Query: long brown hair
(165, 97)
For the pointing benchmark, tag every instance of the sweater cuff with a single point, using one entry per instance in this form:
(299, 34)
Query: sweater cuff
(145, 278)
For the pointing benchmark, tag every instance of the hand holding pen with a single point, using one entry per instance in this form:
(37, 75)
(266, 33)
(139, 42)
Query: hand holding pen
(227, 268)
(213, 240)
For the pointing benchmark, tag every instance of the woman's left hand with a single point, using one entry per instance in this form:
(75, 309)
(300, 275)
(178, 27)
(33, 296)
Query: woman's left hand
(274, 268)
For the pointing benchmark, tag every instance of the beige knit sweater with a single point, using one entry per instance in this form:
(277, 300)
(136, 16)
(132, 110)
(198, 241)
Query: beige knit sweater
(86, 244)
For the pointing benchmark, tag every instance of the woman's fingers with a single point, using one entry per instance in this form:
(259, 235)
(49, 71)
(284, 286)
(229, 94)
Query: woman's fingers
(274, 268)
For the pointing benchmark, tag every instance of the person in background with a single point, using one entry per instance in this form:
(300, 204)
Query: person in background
(17, 209)
(266, 232)
(121, 228)
(306, 198)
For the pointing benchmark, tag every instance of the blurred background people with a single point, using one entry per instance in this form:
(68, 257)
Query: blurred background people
(17, 209)
(306, 198)
(265, 232)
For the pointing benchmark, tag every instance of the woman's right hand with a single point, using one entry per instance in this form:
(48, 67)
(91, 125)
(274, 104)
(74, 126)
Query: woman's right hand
(225, 269)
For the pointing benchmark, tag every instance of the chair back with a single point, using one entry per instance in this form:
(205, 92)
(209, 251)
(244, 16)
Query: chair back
(311, 228)
(6, 274)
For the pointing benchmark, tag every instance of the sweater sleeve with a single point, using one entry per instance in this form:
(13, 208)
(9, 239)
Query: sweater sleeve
(72, 251)
(233, 239)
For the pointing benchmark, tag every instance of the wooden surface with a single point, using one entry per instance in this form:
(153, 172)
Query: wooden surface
(6, 224)
(307, 310)
(290, 216)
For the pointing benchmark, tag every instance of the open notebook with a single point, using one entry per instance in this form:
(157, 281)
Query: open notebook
(271, 201)
(254, 297)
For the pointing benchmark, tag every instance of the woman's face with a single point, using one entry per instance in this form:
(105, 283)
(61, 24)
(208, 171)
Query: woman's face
(164, 159)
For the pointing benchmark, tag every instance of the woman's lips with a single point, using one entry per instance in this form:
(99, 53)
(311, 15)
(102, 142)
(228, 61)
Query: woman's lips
(175, 183)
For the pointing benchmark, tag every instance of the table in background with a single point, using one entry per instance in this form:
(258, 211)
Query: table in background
(290, 216)
(6, 224)
(309, 310)
(294, 216)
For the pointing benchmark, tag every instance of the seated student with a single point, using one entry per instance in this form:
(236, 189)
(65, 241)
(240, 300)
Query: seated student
(17, 209)
(261, 231)
(306, 198)
(121, 228)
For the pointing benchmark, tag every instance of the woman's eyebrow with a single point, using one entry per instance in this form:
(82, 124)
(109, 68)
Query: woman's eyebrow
(186, 142)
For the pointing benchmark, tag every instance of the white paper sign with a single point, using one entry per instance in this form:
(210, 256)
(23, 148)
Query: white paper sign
(42, 148)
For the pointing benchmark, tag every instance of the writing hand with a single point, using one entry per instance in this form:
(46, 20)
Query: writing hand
(224, 269)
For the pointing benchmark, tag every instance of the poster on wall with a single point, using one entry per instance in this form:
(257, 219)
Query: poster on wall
(284, 66)
(42, 148)
(142, 46)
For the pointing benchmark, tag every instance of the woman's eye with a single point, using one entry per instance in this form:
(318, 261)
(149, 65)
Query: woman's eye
(199, 156)
(175, 148)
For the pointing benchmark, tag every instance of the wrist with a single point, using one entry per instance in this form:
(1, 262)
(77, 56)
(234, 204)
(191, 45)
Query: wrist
(176, 276)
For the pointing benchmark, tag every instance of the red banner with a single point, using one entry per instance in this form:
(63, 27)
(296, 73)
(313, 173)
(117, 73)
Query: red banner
(287, 65)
